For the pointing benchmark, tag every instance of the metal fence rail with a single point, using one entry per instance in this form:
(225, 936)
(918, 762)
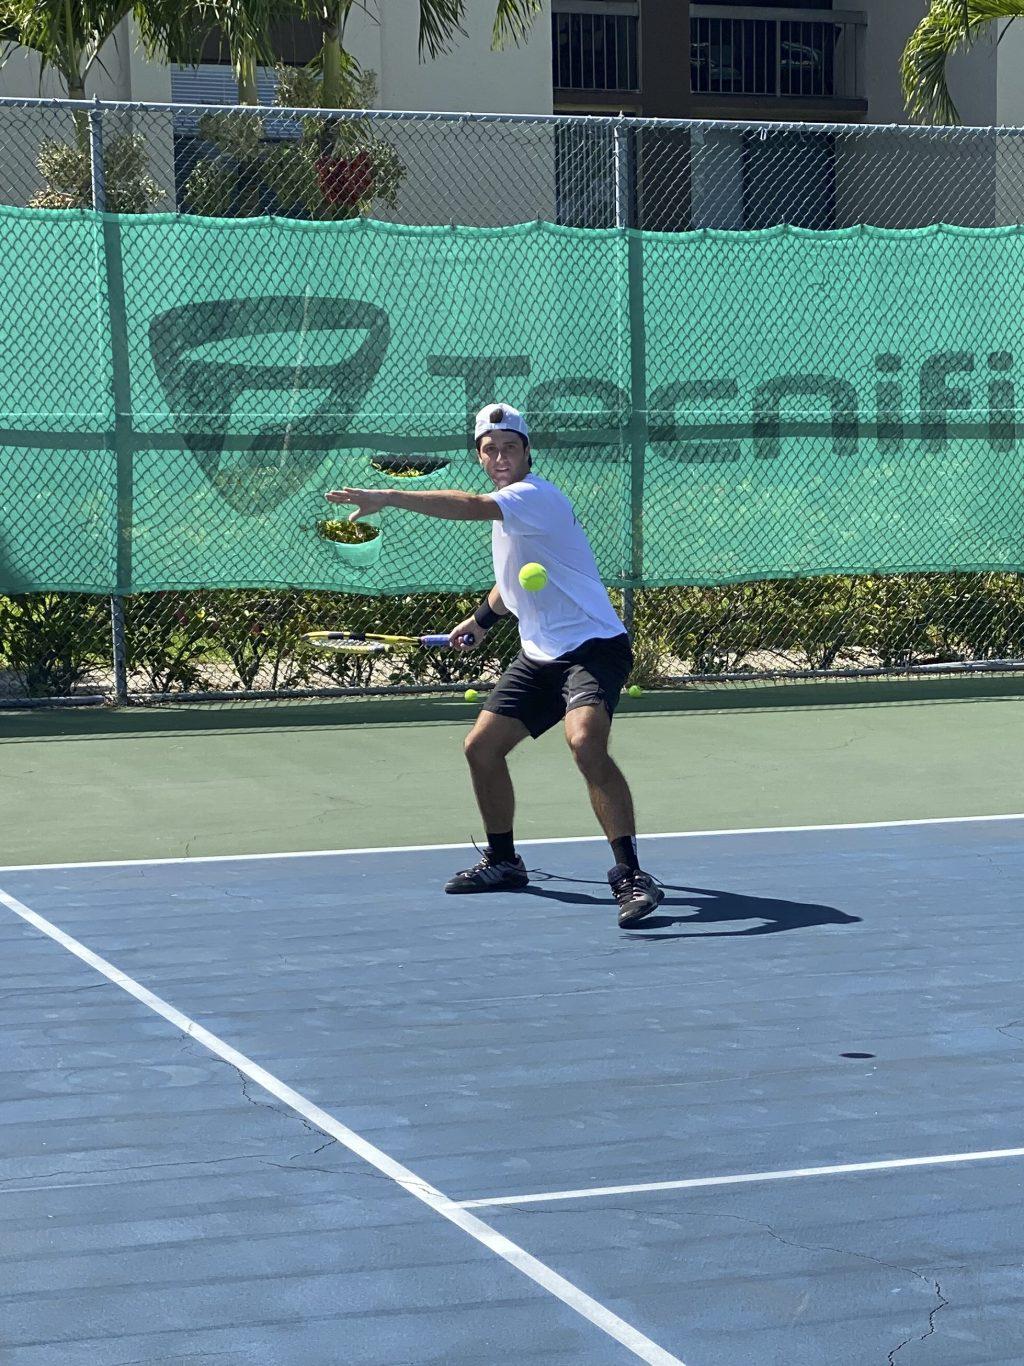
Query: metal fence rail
(660, 175)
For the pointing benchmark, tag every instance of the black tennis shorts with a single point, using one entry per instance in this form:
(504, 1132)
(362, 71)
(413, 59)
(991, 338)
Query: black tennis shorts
(539, 695)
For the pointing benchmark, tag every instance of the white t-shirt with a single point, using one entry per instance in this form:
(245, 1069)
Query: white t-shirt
(540, 526)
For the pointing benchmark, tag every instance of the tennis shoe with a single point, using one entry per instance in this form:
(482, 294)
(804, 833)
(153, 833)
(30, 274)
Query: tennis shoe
(489, 875)
(636, 892)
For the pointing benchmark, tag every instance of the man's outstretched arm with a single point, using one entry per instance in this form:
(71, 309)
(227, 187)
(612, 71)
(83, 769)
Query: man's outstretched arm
(452, 504)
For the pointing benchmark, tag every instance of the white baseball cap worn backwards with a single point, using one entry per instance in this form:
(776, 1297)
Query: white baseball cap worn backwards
(499, 417)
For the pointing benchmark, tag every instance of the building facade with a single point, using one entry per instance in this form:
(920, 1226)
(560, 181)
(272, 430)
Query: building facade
(727, 66)
(805, 61)
(471, 78)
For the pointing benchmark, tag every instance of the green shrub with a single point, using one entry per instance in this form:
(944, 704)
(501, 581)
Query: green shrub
(210, 188)
(167, 641)
(52, 642)
(245, 639)
(259, 632)
(336, 169)
(128, 186)
(346, 532)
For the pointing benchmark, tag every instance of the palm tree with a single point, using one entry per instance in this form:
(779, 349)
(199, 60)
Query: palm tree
(68, 38)
(245, 24)
(245, 27)
(949, 26)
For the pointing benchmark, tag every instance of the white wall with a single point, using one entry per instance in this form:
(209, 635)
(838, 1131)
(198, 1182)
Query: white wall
(363, 38)
(1010, 114)
(470, 77)
(19, 78)
(516, 80)
(141, 79)
(456, 173)
(452, 174)
(1010, 76)
(123, 75)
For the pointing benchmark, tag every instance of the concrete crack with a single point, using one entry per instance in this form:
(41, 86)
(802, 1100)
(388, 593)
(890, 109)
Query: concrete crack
(5, 996)
(368, 1170)
(931, 1320)
(322, 1146)
(292, 1166)
(131, 1167)
(286, 1113)
(178, 1359)
(864, 1256)
(816, 1247)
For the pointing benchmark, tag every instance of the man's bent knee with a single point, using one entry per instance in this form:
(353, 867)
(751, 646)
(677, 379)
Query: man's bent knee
(590, 750)
(492, 738)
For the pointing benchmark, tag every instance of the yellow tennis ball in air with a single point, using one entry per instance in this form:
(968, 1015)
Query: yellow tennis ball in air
(533, 577)
(635, 690)
(471, 695)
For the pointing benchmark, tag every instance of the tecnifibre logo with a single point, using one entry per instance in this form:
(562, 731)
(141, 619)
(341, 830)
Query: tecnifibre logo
(906, 405)
(925, 406)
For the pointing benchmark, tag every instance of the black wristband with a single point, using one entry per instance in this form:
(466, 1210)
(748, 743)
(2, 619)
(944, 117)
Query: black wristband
(485, 616)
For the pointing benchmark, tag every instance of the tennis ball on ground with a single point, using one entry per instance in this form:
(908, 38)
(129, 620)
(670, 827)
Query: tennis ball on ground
(471, 695)
(533, 577)
(635, 690)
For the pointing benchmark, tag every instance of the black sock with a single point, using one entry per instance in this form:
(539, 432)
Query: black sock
(624, 851)
(502, 846)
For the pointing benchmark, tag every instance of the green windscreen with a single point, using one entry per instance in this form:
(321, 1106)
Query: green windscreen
(178, 393)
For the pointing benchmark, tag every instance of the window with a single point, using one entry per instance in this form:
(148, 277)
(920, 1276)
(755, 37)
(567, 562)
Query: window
(594, 45)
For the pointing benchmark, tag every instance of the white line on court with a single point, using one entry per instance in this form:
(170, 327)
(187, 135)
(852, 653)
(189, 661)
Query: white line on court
(631, 1338)
(743, 1179)
(464, 844)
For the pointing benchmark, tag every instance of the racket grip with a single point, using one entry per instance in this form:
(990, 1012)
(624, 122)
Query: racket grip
(438, 641)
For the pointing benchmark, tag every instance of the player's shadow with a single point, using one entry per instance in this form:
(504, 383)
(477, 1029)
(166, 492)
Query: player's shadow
(710, 906)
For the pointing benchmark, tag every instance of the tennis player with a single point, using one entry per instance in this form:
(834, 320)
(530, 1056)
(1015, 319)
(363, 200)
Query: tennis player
(574, 661)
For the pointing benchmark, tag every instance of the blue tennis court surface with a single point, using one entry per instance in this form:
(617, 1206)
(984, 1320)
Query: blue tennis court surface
(309, 1109)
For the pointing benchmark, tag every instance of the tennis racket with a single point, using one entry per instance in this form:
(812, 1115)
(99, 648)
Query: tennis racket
(371, 643)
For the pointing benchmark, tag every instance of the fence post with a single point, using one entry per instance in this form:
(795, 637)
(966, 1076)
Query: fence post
(625, 161)
(117, 627)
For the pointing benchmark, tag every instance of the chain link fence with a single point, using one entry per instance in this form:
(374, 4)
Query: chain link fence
(662, 176)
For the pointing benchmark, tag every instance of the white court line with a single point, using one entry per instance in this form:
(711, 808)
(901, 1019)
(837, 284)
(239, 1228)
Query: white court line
(745, 1178)
(631, 1338)
(464, 844)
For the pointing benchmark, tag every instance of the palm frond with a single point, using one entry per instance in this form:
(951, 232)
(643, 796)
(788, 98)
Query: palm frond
(949, 26)
(440, 21)
(983, 11)
(174, 30)
(513, 20)
(8, 23)
(65, 38)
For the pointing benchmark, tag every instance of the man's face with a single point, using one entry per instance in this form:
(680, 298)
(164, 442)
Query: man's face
(505, 458)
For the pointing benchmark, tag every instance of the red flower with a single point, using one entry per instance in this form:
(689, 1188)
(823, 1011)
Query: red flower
(345, 180)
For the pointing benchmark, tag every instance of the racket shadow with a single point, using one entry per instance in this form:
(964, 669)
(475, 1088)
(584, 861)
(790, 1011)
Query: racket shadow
(708, 906)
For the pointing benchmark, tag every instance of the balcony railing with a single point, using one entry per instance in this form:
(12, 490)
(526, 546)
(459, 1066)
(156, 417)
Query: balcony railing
(779, 53)
(595, 44)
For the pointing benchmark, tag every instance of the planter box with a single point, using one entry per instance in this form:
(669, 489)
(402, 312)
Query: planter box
(359, 554)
